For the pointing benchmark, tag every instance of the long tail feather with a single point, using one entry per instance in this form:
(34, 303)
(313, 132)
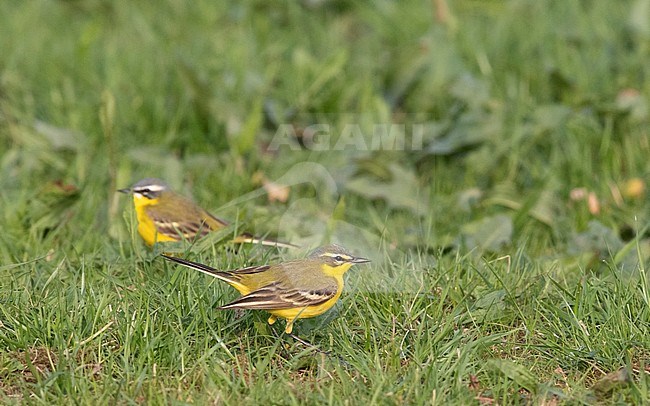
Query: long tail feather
(208, 270)
(250, 239)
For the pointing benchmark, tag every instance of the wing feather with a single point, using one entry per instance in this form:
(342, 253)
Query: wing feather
(179, 229)
(168, 223)
(275, 297)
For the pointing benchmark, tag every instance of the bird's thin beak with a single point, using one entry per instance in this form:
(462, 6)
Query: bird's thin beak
(359, 260)
(126, 191)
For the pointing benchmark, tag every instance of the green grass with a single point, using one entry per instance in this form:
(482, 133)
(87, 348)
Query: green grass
(489, 283)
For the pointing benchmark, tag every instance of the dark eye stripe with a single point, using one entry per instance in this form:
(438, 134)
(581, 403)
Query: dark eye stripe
(340, 258)
(148, 193)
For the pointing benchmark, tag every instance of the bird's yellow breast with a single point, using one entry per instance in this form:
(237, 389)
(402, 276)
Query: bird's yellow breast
(146, 226)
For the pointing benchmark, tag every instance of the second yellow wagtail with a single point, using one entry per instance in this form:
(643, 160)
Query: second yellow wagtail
(291, 290)
(164, 215)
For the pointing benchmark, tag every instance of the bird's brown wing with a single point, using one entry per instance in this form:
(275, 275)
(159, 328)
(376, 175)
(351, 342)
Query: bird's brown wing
(275, 296)
(169, 223)
(177, 228)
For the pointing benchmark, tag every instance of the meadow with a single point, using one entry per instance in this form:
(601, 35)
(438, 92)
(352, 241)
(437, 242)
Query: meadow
(489, 157)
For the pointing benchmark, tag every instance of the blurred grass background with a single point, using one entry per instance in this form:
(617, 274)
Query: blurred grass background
(509, 249)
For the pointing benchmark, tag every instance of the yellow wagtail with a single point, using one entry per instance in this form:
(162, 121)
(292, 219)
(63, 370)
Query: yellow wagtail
(291, 290)
(164, 215)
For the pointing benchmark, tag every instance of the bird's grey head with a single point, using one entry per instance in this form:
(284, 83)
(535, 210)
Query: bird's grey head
(335, 255)
(150, 188)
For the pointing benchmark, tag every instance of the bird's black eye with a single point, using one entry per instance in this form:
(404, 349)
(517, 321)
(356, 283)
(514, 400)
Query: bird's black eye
(339, 258)
(146, 193)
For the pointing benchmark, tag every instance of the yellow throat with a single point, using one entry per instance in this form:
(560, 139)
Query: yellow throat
(146, 226)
